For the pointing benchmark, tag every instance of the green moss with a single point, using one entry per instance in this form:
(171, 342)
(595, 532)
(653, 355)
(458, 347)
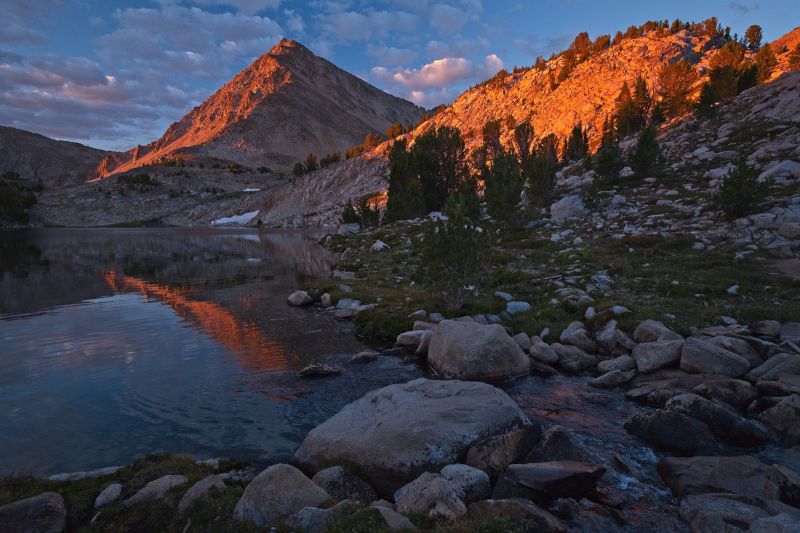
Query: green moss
(359, 521)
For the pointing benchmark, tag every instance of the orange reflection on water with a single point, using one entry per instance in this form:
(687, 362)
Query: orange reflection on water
(244, 339)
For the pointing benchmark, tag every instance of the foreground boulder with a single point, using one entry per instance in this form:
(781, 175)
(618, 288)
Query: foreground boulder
(672, 431)
(277, 493)
(431, 495)
(520, 512)
(470, 484)
(723, 421)
(315, 520)
(44, 513)
(472, 351)
(703, 357)
(156, 489)
(734, 392)
(494, 454)
(200, 489)
(785, 417)
(341, 484)
(744, 475)
(545, 482)
(396, 433)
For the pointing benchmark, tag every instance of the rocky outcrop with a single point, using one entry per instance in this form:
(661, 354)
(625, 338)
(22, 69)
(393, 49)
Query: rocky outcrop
(395, 433)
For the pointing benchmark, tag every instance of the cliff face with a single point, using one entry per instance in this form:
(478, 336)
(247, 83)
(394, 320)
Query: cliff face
(288, 103)
(41, 159)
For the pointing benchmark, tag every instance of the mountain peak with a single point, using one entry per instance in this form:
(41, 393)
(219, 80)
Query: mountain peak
(288, 46)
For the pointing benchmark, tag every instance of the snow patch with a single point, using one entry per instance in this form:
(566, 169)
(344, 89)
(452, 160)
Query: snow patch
(238, 220)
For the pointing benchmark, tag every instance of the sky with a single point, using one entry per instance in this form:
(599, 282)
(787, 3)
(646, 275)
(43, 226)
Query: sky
(114, 74)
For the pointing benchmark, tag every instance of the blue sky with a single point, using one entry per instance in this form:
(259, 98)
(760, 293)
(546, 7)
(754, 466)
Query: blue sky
(114, 74)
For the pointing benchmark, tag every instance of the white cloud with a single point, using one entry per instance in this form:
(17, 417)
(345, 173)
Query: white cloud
(439, 73)
(248, 7)
(294, 21)
(391, 56)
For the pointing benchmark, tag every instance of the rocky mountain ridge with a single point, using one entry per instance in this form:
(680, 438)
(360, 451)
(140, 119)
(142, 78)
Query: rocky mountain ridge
(47, 161)
(287, 103)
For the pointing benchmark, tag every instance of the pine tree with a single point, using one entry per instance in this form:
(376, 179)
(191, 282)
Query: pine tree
(298, 169)
(675, 81)
(753, 37)
(642, 101)
(794, 57)
(577, 145)
(405, 193)
(311, 162)
(645, 153)
(523, 137)
(491, 138)
(705, 105)
(624, 112)
(503, 188)
(608, 160)
(765, 62)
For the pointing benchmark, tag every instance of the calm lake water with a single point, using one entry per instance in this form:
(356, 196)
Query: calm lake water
(116, 343)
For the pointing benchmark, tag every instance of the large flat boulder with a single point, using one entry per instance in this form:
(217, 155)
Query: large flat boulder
(672, 431)
(703, 357)
(545, 482)
(724, 422)
(277, 493)
(744, 475)
(44, 513)
(396, 433)
(785, 418)
(472, 351)
(651, 356)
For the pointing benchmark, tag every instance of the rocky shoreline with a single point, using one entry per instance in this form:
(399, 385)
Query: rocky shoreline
(456, 452)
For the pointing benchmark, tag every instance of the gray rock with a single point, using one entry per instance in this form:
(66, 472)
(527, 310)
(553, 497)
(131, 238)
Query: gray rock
(576, 335)
(364, 357)
(715, 512)
(555, 445)
(319, 370)
(651, 356)
(573, 358)
(791, 332)
(108, 495)
(341, 484)
(734, 392)
(470, 484)
(570, 206)
(739, 347)
(780, 523)
(613, 379)
(200, 489)
(702, 357)
(622, 363)
(652, 331)
(315, 520)
(515, 307)
(785, 418)
(494, 454)
(723, 421)
(91, 474)
(523, 341)
(299, 298)
(744, 475)
(467, 350)
(519, 512)
(672, 431)
(545, 482)
(277, 493)
(394, 520)
(156, 489)
(44, 513)
(411, 340)
(395, 433)
(435, 317)
(767, 328)
(431, 495)
(782, 363)
(326, 300)
(541, 351)
(606, 336)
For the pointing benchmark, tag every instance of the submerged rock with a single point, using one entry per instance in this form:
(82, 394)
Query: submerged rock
(395, 433)
(319, 370)
(673, 431)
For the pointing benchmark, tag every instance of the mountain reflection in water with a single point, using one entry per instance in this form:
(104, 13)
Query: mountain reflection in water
(115, 343)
